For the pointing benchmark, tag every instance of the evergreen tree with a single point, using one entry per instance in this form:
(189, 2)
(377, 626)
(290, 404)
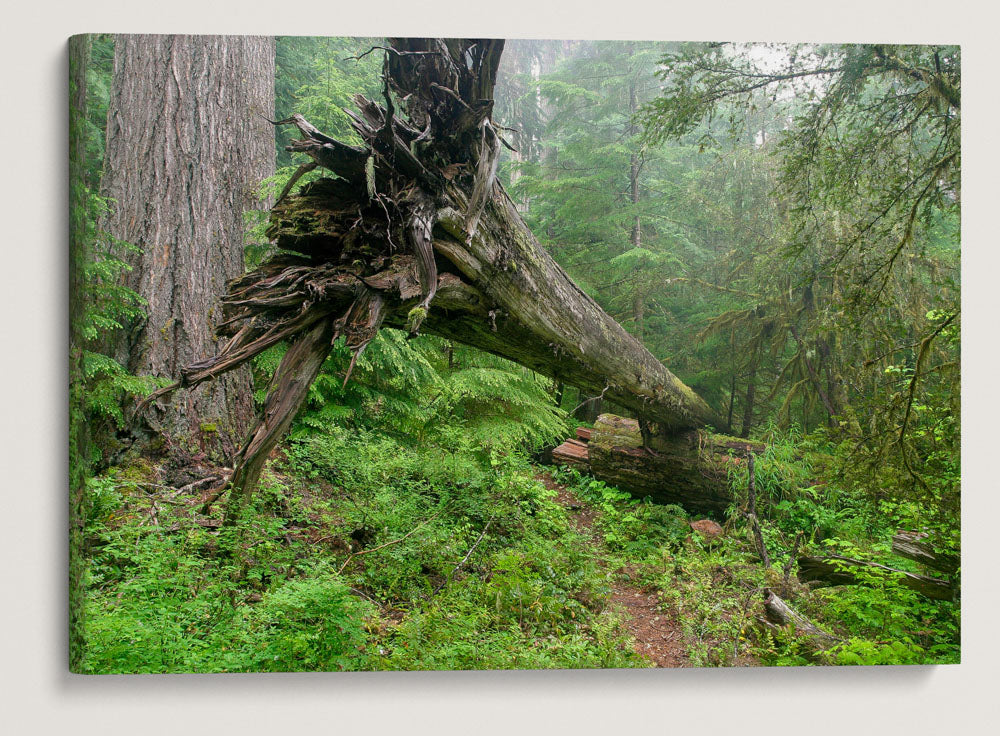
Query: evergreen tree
(187, 145)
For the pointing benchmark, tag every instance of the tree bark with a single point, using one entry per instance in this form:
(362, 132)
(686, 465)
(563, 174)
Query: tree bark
(187, 146)
(417, 223)
(751, 395)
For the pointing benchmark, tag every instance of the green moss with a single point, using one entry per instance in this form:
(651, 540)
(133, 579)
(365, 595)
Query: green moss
(414, 318)
(614, 431)
(165, 330)
(209, 427)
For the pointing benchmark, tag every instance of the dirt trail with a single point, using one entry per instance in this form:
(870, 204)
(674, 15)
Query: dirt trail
(657, 634)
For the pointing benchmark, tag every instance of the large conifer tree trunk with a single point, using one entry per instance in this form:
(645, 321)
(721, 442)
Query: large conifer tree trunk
(187, 146)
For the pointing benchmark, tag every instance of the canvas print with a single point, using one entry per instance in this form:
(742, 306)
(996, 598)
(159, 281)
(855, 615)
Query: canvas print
(464, 353)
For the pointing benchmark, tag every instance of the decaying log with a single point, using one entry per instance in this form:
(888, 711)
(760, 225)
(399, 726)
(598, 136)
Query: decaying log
(688, 469)
(777, 613)
(572, 453)
(839, 570)
(915, 546)
(415, 232)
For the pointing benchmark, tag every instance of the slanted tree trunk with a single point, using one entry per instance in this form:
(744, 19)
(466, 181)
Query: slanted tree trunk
(188, 143)
(417, 233)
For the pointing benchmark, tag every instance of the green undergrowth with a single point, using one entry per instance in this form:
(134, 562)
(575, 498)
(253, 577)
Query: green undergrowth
(358, 553)
(361, 551)
(716, 587)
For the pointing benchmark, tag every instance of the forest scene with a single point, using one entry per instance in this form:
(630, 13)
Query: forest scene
(455, 354)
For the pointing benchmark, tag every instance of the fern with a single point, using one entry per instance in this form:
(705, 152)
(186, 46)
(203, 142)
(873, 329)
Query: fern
(405, 387)
(107, 307)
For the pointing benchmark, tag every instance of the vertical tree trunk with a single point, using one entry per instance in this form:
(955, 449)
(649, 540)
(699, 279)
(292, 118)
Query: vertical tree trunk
(732, 379)
(187, 146)
(732, 400)
(634, 167)
(751, 394)
(589, 409)
(79, 448)
(639, 314)
(638, 300)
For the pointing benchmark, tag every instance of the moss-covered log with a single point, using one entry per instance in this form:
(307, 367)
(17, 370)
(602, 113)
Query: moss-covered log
(917, 546)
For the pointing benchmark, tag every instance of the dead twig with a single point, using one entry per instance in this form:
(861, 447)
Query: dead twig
(743, 615)
(397, 52)
(592, 398)
(389, 543)
(786, 572)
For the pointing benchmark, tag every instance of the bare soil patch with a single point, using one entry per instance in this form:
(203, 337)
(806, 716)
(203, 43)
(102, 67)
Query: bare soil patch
(657, 633)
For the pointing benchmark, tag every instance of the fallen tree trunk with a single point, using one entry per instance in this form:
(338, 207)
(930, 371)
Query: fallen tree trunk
(416, 232)
(839, 570)
(573, 454)
(777, 613)
(915, 546)
(689, 469)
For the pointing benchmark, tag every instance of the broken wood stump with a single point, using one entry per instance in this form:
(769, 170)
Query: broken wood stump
(778, 614)
(689, 469)
(572, 453)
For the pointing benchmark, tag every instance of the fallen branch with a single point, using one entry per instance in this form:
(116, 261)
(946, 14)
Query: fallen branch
(207, 480)
(467, 556)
